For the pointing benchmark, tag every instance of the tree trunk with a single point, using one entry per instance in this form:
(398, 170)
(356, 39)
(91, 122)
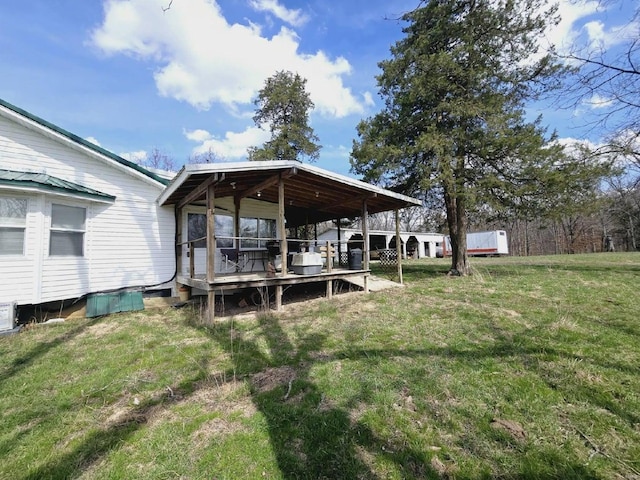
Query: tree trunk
(457, 221)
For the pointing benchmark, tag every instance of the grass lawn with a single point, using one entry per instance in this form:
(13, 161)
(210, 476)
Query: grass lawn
(528, 369)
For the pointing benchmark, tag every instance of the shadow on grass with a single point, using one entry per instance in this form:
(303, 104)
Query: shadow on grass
(98, 443)
(26, 359)
(313, 438)
(310, 436)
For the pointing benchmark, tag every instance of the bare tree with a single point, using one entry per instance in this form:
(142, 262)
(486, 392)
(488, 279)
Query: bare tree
(159, 159)
(205, 157)
(608, 79)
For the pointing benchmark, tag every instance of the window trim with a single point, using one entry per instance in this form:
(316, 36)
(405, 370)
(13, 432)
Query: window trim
(220, 242)
(15, 226)
(82, 231)
(257, 244)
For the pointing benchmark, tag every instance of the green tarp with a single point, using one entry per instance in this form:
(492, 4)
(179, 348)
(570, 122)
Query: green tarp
(106, 303)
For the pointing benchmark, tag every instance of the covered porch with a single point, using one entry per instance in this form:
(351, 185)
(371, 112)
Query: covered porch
(232, 221)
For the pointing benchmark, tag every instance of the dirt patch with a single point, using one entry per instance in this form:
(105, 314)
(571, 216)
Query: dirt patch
(321, 357)
(102, 329)
(215, 428)
(514, 429)
(356, 308)
(356, 413)
(272, 378)
(406, 401)
(224, 397)
(124, 416)
(443, 470)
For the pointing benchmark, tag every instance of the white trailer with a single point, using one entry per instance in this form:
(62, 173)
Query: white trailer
(493, 243)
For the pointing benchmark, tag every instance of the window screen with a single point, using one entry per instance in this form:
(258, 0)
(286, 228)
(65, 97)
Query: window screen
(67, 230)
(13, 219)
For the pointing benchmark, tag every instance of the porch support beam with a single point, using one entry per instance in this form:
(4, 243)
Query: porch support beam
(283, 230)
(211, 249)
(179, 247)
(201, 189)
(279, 291)
(398, 246)
(236, 222)
(365, 239)
(339, 243)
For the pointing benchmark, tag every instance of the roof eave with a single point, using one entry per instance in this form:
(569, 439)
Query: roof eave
(32, 121)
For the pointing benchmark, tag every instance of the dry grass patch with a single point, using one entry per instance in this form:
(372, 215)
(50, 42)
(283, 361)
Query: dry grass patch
(215, 428)
(272, 378)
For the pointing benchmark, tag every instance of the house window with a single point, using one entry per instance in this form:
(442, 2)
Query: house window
(197, 230)
(224, 228)
(67, 230)
(255, 232)
(13, 220)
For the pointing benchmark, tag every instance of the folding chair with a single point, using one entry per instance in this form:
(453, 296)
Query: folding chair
(234, 259)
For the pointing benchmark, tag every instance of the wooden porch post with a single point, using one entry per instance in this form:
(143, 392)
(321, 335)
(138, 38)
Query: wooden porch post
(283, 241)
(329, 257)
(211, 250)
(236, 223)
(365, 239)
(179, 246)
(398, 246)
(339, 244)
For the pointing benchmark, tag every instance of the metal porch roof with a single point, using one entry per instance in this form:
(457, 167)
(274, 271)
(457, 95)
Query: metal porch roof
(44, 182)
(312, 194)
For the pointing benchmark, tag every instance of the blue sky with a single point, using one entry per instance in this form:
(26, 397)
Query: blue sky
(133, 77)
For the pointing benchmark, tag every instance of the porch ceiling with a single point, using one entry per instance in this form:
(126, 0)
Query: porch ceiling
(311, 194)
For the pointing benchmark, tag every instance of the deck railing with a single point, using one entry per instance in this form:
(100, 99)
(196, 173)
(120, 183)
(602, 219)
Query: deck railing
(327, 249)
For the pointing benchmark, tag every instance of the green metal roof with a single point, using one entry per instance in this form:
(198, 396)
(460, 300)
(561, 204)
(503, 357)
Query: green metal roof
(44, 182)
(84, 142)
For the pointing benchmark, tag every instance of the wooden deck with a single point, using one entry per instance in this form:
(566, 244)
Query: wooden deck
(245, 280)
(222, 284)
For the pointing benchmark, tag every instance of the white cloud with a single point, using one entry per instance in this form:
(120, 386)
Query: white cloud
(203, 59)
(292, 17)
(598, 101)
(338, 152)
(232, 147)
(604, 37)
(135, 157)
(564, 35)
(93, 140)
(198, 135)
(368, 99)
(571, 144)
(573, 32)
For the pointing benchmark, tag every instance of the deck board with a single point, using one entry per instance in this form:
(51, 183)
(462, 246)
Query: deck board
(243, 280)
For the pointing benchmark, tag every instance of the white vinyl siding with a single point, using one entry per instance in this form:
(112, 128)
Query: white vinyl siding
(127, 243)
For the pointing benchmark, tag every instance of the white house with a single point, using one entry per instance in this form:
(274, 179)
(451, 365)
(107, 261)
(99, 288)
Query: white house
(76, 219)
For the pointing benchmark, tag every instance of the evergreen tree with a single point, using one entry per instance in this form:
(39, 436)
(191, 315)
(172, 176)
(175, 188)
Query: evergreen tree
(283, 104)
(454, 91)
